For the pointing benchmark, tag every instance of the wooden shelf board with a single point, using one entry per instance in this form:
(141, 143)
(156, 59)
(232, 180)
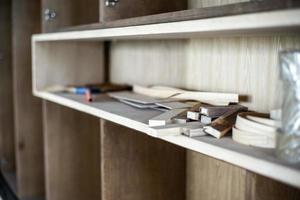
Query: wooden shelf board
(258, 160)
(106, 108)
(255, 23)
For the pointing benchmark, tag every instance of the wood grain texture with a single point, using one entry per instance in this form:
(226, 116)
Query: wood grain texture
(211, 179)
(69, 13)
(7, 154)
(85, 63)
(193, 14)
(148, 62)
(263, 188)
(206, 64)
(135, 166)
(28, 109)
(72, 154)
(135, 8)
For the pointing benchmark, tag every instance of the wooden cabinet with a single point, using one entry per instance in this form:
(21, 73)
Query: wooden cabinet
(60, 14)
(105, 150)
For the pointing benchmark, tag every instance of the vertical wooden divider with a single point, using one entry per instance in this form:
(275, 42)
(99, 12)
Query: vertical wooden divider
(213, 179)
(27, 108)
(72, 153)
(135, 166)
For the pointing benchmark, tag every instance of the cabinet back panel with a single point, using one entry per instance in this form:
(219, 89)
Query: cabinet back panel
(246, 65)
(65, 63)
(69, 13)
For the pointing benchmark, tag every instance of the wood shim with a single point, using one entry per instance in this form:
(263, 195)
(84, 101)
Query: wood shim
(174, 93)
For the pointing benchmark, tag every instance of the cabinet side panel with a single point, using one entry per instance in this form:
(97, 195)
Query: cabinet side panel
(28, 109)
(72, 154)
(7, 154)
(135, 166)
(211, 179)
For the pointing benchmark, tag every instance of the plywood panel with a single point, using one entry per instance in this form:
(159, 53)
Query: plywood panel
(7, 155)
(69, 13)
(72, 154)
(28, 110)
(149, 62)
(65, 63)
(246, 65)
(135, 166)
(211, 179)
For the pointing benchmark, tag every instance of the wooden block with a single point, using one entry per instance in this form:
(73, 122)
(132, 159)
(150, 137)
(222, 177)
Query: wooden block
(193, 115)
(72, 154)
(135, 166)
(165, 118)
(7, 151)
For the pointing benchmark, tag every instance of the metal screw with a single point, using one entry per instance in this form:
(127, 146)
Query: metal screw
(111, 3)
(49, 14)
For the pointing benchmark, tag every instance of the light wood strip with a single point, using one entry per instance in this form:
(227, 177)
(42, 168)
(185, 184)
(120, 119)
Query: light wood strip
(209, 3)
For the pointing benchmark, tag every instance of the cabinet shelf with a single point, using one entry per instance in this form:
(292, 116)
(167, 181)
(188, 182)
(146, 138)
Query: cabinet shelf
(258, 160)
(281, 21)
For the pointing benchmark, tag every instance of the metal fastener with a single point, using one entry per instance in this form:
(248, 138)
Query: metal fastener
(49, 14)
(111, 3)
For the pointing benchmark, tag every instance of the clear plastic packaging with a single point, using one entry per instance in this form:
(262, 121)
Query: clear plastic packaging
(288, 142)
